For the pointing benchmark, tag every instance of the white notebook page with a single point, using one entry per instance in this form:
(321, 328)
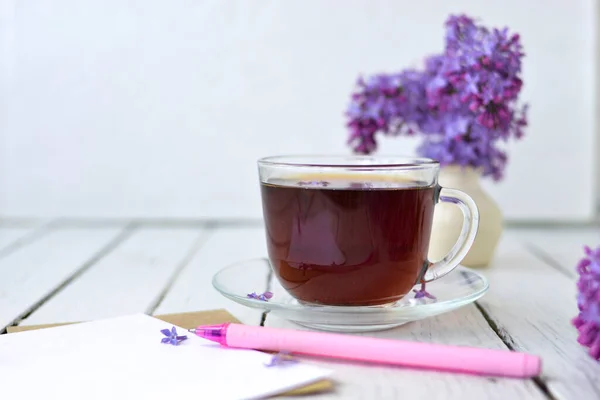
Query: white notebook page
(123, 358)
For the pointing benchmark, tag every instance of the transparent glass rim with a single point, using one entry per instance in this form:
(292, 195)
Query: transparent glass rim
(355, 162)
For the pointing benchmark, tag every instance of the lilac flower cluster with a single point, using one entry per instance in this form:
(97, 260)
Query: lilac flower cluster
(588, 302)
(391, 104)
(463, 102)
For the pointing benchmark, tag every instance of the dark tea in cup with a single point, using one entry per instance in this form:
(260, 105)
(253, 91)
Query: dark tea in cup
(342, 237)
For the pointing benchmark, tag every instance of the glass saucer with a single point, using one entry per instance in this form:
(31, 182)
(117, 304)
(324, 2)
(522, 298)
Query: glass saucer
(460, 287)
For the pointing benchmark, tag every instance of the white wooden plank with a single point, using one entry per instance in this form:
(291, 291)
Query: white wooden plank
(9, 236)
(465, 326)
(193, 289)
(23, 222)
(14, 234)
(533, 304)
(560, 247)
(34, 271)
(128, 280)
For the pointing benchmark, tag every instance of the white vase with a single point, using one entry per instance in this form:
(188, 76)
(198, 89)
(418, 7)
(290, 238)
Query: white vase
(447, 219)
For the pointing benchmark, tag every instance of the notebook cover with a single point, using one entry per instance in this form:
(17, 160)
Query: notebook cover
(191, 320)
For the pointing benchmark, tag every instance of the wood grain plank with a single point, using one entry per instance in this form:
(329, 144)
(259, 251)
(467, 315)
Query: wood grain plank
(560, 248)
(465, 326)
(532, 306)
(193, 290)
(9, 236)
(24, 223)
(128, 280)
(14, 235)
(33, 272)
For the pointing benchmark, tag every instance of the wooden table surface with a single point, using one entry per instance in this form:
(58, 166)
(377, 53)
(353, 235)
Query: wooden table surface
(57, 271)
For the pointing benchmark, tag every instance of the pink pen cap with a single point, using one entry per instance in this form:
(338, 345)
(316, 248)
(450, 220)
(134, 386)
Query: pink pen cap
(437, 357)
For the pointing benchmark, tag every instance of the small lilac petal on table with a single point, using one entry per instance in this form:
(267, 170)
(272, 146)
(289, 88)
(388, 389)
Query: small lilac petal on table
(281, 358)
(262, 297)
(172, 337)
(419, 294)
(265, 296)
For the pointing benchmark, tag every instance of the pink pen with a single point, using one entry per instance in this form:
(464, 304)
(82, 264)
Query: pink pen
(382, 351)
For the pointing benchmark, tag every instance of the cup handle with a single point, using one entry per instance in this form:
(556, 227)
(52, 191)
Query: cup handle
(465, 239)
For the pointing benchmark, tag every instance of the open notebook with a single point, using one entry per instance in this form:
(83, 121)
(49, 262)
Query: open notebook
(123, 358)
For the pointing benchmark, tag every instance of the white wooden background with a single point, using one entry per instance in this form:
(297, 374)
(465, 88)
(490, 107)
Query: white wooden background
(159, 109)
(57, 272)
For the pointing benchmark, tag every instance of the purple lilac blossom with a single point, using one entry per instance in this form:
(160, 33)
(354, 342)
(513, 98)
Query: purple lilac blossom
(587, 321)
(463, 102)
(172, 337)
